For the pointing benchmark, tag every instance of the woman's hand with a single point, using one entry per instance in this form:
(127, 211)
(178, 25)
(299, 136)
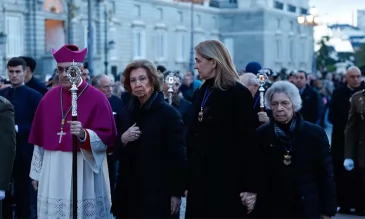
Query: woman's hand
(131, 134)
(249, 200)
(175, 205)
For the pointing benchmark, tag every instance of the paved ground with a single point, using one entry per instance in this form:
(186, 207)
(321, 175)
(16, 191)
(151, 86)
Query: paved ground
(342, 216)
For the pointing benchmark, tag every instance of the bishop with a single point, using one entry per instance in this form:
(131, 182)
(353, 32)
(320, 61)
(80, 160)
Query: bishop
(51, 167)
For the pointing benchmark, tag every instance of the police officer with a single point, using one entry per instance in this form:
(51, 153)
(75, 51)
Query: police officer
(355, 144)
(7, 146)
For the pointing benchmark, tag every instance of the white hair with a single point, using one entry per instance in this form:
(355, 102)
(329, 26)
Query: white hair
(287, 88)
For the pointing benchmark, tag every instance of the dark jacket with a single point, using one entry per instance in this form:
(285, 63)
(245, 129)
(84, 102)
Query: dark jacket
(35, 84)
(355, 129)
(151, 169)
(221, 151)
(306, 187)
(25, 101)
(8, 143)
(311, 108)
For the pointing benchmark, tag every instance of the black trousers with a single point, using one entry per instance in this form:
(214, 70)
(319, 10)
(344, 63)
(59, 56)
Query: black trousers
(20, 193)
(111, 168)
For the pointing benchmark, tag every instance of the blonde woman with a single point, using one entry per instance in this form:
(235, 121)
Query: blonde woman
(221, 153)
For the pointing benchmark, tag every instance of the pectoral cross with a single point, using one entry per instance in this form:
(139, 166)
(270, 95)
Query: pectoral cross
(61, 133)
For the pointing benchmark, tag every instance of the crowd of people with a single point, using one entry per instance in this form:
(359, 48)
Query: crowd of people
(232, 146)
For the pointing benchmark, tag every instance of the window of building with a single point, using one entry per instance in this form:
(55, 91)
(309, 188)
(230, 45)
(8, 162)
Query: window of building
(229, 43)
(291, 24)
(15, 32)
(278, 23)
(181, 49)
(303, 51)
(303, 11)
(161, 49)
(278, 5)
(215, 24)
(160, 13)
(181, 16)
(291, 50)
(279, 49)
(198, 19)
(292, 8)
(137, 11)
(139, 44)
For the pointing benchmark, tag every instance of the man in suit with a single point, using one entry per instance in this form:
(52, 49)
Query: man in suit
(104, 84)
(25, 101)
(7, 146)
(347, 190)
(30, 80)
(355, 142)
(311, 106)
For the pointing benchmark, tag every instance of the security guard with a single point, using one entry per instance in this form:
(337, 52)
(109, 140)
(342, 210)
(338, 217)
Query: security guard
(355, 142)
(7, 146)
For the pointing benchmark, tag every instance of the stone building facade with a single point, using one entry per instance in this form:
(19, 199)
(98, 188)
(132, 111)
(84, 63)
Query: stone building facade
(159, 30)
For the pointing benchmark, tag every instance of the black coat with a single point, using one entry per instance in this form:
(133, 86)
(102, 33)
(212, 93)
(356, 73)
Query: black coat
(220, 151)
(35, 84)
(305, 188)
(311, 106)
(25, 101)
(151, 169)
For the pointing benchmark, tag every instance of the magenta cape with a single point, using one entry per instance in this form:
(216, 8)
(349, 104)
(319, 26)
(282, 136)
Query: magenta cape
(94, 112)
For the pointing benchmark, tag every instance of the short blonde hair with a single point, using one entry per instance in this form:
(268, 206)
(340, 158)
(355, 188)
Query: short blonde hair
(226, 75)
(155, 77)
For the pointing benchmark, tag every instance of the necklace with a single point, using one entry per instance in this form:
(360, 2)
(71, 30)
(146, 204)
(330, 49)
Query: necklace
(287, 157)
(62, 133)
(205, 98)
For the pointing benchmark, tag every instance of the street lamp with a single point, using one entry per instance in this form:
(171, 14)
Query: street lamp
(312, 19)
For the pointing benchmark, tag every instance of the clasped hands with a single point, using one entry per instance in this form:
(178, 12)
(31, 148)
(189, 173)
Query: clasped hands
(131, 134)
(249, 200)
(77, 129)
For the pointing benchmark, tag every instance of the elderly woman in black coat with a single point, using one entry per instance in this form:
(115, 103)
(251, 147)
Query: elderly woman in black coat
(153, 157)
(298, 177)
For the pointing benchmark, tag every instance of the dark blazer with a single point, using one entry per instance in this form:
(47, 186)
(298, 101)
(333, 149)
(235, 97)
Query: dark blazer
(311, 105)
(8, 143)
(305, 188)
(221, 151)
(25, 101)
(35, 84)
(151, 169)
